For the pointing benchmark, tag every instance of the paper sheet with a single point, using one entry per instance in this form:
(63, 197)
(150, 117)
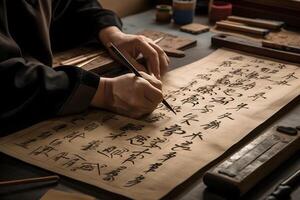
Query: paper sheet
(218, 101)
(285, 37)
(61, 195)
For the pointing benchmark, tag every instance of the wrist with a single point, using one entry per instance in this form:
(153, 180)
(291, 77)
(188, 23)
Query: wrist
(110, 34)
(103, 97)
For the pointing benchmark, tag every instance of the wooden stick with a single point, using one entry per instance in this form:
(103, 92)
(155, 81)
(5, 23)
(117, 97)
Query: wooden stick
(243, 28)
(87, 62)
(79, 59)
(30, 180)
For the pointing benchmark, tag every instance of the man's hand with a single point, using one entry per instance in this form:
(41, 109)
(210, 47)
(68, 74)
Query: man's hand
(129, 95)
(133, 45)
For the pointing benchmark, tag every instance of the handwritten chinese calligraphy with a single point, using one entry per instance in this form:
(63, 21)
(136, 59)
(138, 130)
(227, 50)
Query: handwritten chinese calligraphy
(218, 101)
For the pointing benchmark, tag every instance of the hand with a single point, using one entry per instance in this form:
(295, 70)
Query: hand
(133, 45)
(129, 95)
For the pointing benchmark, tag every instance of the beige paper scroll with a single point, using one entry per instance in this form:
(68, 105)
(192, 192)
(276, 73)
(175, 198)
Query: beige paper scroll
(61, 195)
(218, 101)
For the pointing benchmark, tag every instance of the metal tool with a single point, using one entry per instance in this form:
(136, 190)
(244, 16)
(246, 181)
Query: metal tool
(130, 66)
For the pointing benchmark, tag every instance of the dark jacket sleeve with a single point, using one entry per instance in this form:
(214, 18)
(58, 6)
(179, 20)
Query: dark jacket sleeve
(76, 21)
(31, 92)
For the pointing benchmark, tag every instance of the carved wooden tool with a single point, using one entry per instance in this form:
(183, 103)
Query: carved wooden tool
(242, 44)
(242, 170)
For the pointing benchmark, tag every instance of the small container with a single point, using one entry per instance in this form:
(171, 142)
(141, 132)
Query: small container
(163, 13)
(220, 10)
(183, 11)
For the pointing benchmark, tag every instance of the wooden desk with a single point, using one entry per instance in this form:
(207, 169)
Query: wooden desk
(193, 189)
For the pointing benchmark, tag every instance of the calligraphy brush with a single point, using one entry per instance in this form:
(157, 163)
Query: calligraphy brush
(133, 69)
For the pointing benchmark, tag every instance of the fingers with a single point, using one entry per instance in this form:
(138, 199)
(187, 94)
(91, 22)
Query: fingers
(163, 59)
(146, 97)
(134, 96)
(151, 55)
(146, 89)
(154, 81)
(151, 42)
(153, 95)
(156, 60)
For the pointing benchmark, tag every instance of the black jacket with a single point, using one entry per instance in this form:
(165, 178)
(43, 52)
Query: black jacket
(30, 89)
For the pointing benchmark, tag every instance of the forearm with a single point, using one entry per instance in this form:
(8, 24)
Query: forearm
(106, 35)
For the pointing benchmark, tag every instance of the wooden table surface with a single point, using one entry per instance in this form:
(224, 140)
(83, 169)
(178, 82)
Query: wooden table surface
(193, 188)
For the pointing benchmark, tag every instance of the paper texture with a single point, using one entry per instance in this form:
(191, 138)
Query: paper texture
(61, 195)
(218, 101)
(285, 37)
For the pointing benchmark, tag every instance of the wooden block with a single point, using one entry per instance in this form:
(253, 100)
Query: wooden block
(174, 53)
(194, 28)
(261, 23)
(169, 41)
(274, 45)
(242, 28)
(242, 170)
(249, 46)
